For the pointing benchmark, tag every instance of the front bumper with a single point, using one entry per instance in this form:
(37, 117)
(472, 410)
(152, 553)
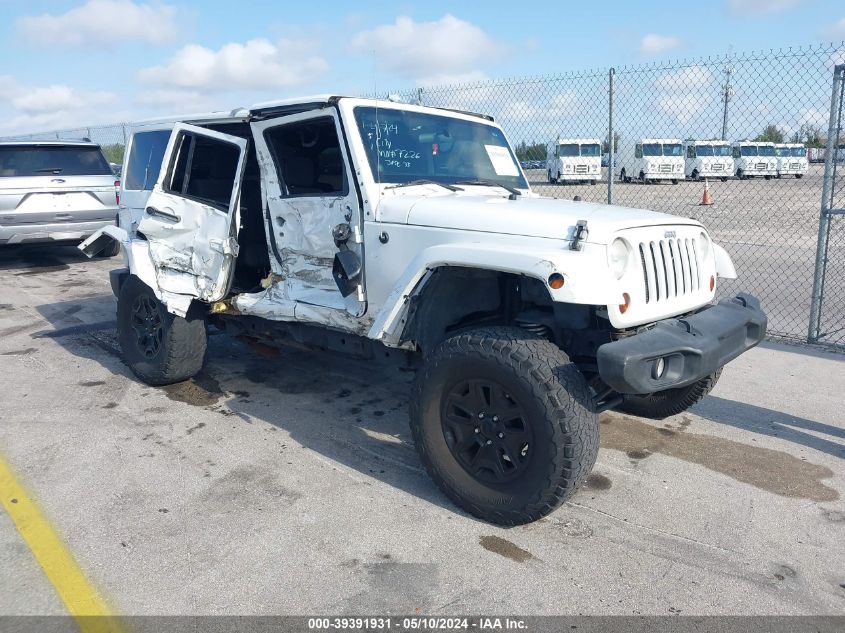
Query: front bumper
(691, 347)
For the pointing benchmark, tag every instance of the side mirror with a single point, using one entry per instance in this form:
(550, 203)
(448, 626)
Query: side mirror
(346, 271)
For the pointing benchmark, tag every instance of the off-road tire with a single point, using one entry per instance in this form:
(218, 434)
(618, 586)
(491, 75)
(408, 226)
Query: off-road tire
(557, 404)
(675, 181)
(663, 404)
(724, 179)
(798, 176)
(181, 351)
(694, 175)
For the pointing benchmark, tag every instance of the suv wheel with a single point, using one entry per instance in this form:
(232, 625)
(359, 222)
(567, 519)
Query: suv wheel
(670, 402)
(504, 424)
(159, 347)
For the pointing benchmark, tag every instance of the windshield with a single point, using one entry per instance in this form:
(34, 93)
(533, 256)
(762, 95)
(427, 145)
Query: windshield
(567, 149)
(748, 150)
(704, 150)
(721, 150)
(47, 160)
(591, 149)
(672, 149)
(652, 149)
(767, 150)
(403, 146)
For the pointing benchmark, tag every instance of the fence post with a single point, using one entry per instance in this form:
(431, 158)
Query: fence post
(833, 129)
(610, 147)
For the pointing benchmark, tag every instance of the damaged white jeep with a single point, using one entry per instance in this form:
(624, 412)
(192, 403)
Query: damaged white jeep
(385, 229)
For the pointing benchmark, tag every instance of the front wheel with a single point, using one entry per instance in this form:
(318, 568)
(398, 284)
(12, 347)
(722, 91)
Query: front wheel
(674, 181)
(798, 176)
(694, 174)
(159, 347)
(724, 179)
(670, 402)
(504, 424)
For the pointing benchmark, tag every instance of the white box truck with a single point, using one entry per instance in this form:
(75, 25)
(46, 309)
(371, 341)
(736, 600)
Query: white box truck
(755, 158)
(792, 159)
(574, 160)
(708, 159)
(652, 160)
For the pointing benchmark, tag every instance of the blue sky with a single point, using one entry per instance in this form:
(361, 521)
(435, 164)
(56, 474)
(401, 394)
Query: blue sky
(76, 62)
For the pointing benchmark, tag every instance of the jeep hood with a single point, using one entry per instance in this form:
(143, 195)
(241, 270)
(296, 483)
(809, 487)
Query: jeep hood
(526, 216)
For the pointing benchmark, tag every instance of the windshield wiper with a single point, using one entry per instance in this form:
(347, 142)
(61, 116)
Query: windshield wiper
(425, 182)
(54, 170)
(490, 183)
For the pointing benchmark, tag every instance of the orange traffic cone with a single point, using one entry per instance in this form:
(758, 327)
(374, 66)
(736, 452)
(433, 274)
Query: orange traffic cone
(706, 200)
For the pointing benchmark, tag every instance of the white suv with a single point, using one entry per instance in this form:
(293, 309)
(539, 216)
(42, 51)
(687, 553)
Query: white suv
(390, 230)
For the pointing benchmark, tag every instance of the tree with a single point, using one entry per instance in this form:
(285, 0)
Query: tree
(771, 133)
(809, 134)
(535, 151)
(616, 138)
(114, 153)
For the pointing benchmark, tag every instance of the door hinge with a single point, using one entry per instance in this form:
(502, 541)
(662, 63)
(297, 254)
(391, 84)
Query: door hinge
(229, 246)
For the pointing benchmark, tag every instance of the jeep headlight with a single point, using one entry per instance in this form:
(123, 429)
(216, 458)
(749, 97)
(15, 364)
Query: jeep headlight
(620, 254)
(705, 245)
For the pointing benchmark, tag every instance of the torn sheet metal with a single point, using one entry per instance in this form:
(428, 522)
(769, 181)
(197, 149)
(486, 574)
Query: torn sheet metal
(276, 304)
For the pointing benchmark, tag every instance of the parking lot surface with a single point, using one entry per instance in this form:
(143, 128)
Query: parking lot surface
(285, 482)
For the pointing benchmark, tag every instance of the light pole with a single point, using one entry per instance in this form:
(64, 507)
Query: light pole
(727, 93)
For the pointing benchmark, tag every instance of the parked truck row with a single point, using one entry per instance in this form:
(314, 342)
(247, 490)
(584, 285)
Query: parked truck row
(668, 159)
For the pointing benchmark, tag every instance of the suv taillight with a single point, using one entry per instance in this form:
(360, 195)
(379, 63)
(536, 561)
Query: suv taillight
(117, 191)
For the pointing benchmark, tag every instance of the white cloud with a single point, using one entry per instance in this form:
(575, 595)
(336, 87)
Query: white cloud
(686, 93)
(33, 108)
(255, 65)
(653, 44)
(685, 79)
(836, 31)
(102, 22)
(561, 106)
(429, 52)
(746, 8)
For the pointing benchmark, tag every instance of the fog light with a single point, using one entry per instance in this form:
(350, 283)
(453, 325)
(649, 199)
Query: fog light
(658, 368)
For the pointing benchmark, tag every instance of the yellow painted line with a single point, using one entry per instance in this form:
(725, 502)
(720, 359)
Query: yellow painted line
(81, 599)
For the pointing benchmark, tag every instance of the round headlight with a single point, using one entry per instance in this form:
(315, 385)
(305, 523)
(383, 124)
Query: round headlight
(620, 253)
(705, 245)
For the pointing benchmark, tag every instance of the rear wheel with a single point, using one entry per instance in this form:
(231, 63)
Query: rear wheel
(642, 177)
(504, 424)
(622, 177)
(740, 174)
(670, 402)
(159, 347)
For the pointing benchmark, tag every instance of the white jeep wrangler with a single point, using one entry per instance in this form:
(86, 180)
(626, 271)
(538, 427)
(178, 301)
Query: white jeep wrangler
(386, 229)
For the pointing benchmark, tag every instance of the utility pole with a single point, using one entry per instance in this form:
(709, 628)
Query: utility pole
(727, 93)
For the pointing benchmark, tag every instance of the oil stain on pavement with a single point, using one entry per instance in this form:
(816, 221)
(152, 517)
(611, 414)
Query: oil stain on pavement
(774, 471)
(504, 547)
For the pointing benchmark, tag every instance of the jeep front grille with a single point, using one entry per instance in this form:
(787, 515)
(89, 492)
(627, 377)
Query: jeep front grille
(581, 169)
(794, 166)
(718, 167)
(670, 268)
(664, 169)
(760, 166)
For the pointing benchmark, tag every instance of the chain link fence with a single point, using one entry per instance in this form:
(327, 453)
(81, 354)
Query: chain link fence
(665, 123)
